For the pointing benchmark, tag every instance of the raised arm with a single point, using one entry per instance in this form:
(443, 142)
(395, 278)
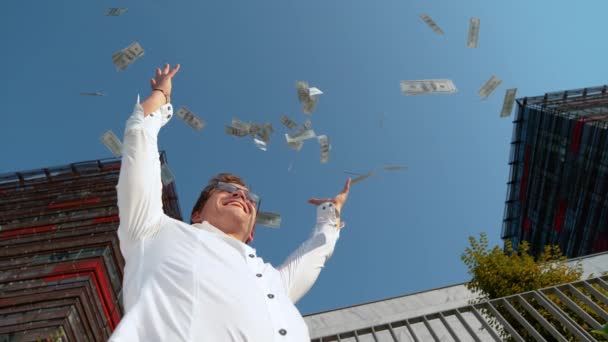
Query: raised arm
(139, 188)
(301, 269)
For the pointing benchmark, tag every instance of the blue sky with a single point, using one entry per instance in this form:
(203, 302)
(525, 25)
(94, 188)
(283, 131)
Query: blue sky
(405, 230)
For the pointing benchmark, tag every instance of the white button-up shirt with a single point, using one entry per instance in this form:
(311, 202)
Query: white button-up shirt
(187, 282)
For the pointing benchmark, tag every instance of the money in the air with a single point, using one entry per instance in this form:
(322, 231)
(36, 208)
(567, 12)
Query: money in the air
(166, 176)
(287, 122)
(489, 87)
(431, 23)
(268, 219)
(473, 33)
(112, 143)
(361, 178)
(116, 11)
(125, 57)
(507, 105)
(308, 96)
(260, 144)
(190, 118)
(324, 147)
(421, 87)
(394, 167)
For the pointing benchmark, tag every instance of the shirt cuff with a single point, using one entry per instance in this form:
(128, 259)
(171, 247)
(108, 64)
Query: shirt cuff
(327, 214)
(153, 121)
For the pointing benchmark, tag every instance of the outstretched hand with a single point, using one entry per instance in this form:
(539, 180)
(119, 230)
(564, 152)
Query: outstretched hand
(339, 200)
(162, 80)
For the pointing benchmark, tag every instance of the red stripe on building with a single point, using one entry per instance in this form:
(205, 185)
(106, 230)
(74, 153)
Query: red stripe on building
(524, 178)
(527, 225)
(73, 203)
(113, 218)
(560, 216)
(26, 231)
(577, 133)
(111, 167)
(95, 269)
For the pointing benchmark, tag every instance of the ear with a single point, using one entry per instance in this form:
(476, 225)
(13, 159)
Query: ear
(196, 217)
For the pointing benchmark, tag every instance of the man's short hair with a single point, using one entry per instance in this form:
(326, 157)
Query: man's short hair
(204, 196)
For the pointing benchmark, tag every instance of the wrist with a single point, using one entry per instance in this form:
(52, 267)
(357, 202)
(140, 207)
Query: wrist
(167, 95)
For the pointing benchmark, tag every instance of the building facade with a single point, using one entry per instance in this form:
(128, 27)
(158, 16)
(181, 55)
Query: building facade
(566, 312)
(557, 192)
(60, 262)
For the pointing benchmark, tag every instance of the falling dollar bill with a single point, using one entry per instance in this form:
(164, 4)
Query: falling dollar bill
(473, 33)
(166, 175)
(116, 11)
(260, 144)
(305, 135)
(97, 93)
(287, 122)
(295, 145)
(112, 143)
(125, 57)
(237, 132)
(307, 96)
(507, 105)
(268, 219)
(324, 147)
(190, 118)
(420, 87)
(431, 23)
(394, 168)
(489, 87)
(361, 178)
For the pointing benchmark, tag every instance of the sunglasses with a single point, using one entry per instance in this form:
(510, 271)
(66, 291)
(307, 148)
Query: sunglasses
(231, 188)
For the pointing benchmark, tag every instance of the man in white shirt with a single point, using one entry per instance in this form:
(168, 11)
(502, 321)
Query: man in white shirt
(202, 281)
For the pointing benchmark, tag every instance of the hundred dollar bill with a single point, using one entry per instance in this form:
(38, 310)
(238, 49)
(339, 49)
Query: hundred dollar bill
(473, 33)
(295, 145)
(305, 135)
(237, 132)
(287, 122)
(166, 175)
(394, 168)
(116, 11)
(420, 87)
(264, 131)
(325, 147)
(489, 87)
(507, 105)
(112, 143)
(360, 178)
(125, 57)
(190, 118)
(260, 144)
(307, 96)
(431, 23)
(97, 93)
(241, 125)
(268, 219)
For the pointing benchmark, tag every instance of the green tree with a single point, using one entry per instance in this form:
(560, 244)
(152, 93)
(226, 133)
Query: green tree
(498, 273)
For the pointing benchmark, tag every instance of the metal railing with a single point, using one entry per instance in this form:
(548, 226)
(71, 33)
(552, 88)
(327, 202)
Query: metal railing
(566, 312)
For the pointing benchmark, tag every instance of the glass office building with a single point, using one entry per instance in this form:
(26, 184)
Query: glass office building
(557, 192)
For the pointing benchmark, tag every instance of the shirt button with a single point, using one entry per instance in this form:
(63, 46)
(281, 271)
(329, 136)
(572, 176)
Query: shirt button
(283, 332)
(168, 116)
(169, 107)
(259, 275)
(251, 256)
(270, 295)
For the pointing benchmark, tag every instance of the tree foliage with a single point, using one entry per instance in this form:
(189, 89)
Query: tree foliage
(497, 273)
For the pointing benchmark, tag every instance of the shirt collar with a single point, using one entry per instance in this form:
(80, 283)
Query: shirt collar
(241, 246)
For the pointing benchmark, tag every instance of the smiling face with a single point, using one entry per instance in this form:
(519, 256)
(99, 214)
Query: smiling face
(231, 212)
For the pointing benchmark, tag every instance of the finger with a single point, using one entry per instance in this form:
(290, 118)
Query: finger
(166, 69)
(174, 71)
(153, 83)
(346, 186)
(158, 73)
(317, 201)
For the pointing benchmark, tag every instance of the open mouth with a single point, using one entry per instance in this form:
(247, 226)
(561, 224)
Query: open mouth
(239, 204)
